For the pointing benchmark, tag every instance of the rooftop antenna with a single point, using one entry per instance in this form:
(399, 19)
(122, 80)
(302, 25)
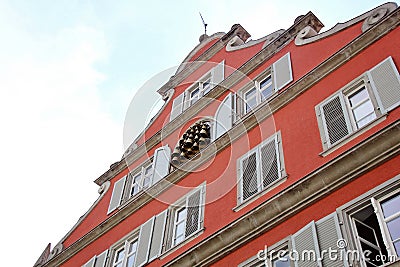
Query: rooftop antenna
(205, 24)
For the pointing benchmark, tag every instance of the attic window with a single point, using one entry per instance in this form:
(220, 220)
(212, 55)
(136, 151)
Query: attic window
(192, 141)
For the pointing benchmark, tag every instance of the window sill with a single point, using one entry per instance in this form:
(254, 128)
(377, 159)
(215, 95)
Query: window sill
(240, 206)
(187, 240)
(353, 135)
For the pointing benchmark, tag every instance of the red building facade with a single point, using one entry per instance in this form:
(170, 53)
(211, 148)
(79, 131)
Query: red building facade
(282, 151)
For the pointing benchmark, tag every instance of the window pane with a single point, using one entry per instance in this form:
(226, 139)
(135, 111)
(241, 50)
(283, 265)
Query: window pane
(397, 247)
(394, 228)
(365, 110)
(366, 232)
(266, 88)
(206, 86)
(135, 189)
(251, 103)
(148, 170)
(181, 215)
(132, 246)
(130, 261)
(391, 206)
(358, 97)
(366, 120)
(251, 93)
(120, 255)
(180, 228)
(282, 261)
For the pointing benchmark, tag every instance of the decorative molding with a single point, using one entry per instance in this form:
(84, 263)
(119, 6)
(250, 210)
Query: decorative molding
(370, 18)
(43, 258)
(56, 250)
(236, 43)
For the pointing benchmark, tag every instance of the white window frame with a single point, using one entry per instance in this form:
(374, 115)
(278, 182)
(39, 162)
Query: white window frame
(141, 185)
(258, 91)
(199, 85)
(382, 83)
(125, 247)
(276, 138)
(371, 198)
(170, 243)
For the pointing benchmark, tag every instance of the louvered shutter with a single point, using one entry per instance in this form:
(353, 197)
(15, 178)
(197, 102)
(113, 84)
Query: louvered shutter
(90, 263)
(218, 73)
(385, 81)
(101, 259)
(224, 116)
(161, 160)
(193, 216)
(335, 119)
(177, 106)
(328, 233)
(145, 235)
(158, 235)
(248, 181)
(116, 194)
(270, 169)
(282, 70)
(306, 246)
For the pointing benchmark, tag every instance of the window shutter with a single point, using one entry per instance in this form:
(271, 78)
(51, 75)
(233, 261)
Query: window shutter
(145, 236)
(169, 228)
(161, 160)
(158, 235)
(269, 163)
(177, 106)
(193, 202)
(282, 70)
(328, 232)
(101, 259)
(90, 263)
(305, 244)
(218, 73)
(335, 119)
(224, 116)
(249, 176)
(116, 194)
(385, 80)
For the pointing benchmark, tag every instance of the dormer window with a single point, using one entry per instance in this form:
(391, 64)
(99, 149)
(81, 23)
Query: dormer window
(197, 90)
(266, 84)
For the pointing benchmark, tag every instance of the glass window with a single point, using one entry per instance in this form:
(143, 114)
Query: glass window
(119, 257)
(130, 260)
(266, 87)
(391, 215)
(180, 225)
(361, 107)
(136, 184)
(148, 171)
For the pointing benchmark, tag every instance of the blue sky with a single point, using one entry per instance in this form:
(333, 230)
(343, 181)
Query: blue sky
(68, 72)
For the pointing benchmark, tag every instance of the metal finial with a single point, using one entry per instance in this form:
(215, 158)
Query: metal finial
(205, 24)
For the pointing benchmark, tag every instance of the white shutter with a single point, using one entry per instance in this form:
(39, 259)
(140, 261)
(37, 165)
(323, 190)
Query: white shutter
(224, 116)
(385, 81)
(177, 106)
(145, 235)
(116, 194)
(158, 235)
(161, 161)
(90, 263)
(335, 119)
(282, 70)
(248, 176)
(101, 259)
(218, 73)
(328, 232)
(270, 170)
(193, 215)
(306, 246)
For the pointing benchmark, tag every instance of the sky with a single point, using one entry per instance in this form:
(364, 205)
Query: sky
(69, 70)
